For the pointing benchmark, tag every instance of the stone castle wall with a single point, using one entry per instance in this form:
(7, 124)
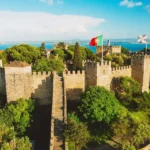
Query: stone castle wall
(36, 85)
(121, 71)
(116, 49)
(91, 71)
(112, 49)
(20, 82)
(104, 74)
(2, 82)
(74, 84)
(141, 71)
(1, 64)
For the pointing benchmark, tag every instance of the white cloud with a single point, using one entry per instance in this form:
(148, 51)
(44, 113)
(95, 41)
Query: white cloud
(51, 2)
(16, 26)
(148, 8)
(130, 3)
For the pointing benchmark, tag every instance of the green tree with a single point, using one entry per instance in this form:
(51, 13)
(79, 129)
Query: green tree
(61, 45)
(60, 53)
(99, 104)
(77, 60)
(131, 130)
(42, 48)
(51, 64)
(76, 132)
(18, 114)
(23, 52)
(124, 50)
(3, 57)
(143, 102)
(127, 90)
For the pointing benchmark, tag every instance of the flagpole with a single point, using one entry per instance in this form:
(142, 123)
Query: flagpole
(146, 46)
(102, 49)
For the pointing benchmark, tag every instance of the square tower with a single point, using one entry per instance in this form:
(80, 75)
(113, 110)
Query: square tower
(98, 74)
(141, 71)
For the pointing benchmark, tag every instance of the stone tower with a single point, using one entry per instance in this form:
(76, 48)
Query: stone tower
(141, 71)
(98, 74)
(1, 64)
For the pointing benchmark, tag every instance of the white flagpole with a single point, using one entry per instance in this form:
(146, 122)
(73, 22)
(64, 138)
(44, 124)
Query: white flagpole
(102, 49)
(146, 45)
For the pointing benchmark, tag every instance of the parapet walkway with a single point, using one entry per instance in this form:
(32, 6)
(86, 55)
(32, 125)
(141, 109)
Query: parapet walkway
(59, 143)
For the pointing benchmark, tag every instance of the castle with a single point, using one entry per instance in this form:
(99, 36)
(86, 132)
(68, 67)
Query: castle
(17, 80)
(108, 49)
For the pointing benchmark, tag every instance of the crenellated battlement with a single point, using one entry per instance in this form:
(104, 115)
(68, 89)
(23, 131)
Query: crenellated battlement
(137, 57)
(42, 73)
(121, 71)
(78, 72)
(97, 64)
(121, 68)
(116, 46)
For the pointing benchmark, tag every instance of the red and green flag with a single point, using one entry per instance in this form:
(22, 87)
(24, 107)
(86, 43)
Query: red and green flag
(97, 41)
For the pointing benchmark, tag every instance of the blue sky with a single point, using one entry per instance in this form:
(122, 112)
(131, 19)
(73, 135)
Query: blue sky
(73, 19)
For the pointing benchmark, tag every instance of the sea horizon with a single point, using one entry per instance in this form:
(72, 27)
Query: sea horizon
(130, 44)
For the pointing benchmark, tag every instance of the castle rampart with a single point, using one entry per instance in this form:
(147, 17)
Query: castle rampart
(1, 64)
(121, 71)
(21, 82)
(98, 74)
(2, 82)
(141, 70)
(74, 84)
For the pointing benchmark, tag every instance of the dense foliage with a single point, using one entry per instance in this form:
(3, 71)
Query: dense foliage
(131, 130)
(124, 50)
(118, 59)
(51, 64)
(98, 104)
(77, 60)
(76, 133)
(126, 91)
(23, 52)
(120, 119)
(15, 118)
(42, 48)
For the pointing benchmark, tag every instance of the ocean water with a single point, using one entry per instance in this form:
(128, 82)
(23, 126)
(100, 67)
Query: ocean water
(130, 46)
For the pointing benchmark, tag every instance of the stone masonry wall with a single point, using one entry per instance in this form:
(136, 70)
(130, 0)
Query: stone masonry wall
(104, 74)
(141, 71)
(36, 85)
(116, 49)
(1, 64)
(121, 71)
(2, 82)
(74, 84)
(91, 71)
(113, 49)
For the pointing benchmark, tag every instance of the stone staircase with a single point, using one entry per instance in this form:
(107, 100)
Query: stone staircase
(59, 143)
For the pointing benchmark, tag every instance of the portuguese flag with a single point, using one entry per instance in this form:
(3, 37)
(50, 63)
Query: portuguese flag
(97, 41)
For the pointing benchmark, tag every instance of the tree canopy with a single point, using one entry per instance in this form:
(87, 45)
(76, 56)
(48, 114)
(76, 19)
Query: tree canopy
(23, 52)
(98, 104)
(77, 60)
(15, 118)
(76, 132)
(51, 64)
(17, 114)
